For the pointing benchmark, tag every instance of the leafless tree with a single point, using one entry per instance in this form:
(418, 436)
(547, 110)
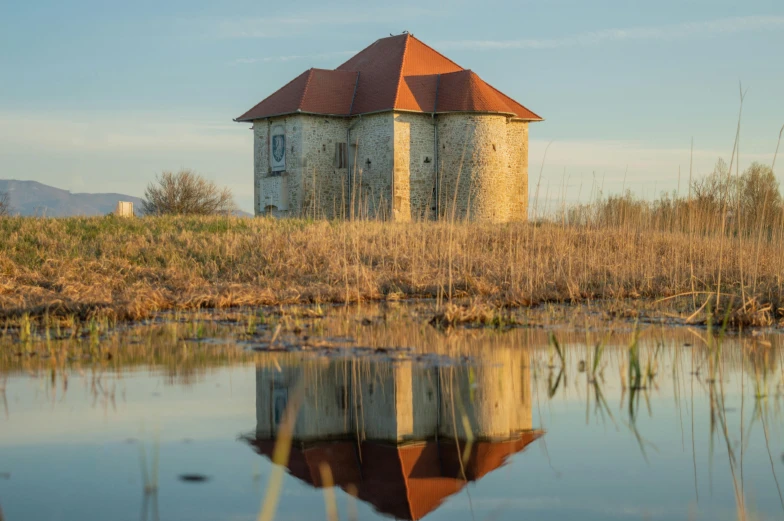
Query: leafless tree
(5, 205)
(186, 193)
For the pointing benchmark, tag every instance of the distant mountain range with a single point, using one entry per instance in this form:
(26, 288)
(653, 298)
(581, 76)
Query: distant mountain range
(34, 198)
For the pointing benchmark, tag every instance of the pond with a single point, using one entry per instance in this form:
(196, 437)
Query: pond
(373, 413)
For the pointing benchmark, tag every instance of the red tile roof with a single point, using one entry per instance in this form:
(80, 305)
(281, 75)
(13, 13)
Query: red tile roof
(405, 481)
(395, 73)
(316, 91)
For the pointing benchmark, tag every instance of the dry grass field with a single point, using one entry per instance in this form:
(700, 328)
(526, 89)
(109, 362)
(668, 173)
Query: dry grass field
(127, 269)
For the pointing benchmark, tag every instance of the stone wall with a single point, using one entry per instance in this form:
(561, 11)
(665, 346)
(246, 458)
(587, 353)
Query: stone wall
(517, 140)
(325, 186)
(399, 401)
(478, 167)
(482, 162)
(371, 148)
(414, 166)
(498, 392)
(290, 179)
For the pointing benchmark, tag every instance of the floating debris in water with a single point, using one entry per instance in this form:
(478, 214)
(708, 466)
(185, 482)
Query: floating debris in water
(7, 475)
(193, 478)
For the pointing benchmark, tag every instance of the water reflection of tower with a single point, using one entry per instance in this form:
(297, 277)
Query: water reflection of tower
(403, 434)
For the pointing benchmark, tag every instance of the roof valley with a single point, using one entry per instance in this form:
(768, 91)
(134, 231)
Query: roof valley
(354, 95)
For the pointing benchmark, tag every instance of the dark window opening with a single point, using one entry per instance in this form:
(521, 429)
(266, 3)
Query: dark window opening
(342, 398)
(341, 155)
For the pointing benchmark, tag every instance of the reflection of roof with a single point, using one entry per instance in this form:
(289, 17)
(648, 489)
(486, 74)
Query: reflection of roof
(405, 481)
(395, 73)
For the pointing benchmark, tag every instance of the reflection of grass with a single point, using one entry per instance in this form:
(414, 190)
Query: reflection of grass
(635, 372)
(149, 475)
(327, 484)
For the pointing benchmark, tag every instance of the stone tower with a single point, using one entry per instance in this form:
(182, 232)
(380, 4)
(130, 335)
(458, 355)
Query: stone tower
(397, 132)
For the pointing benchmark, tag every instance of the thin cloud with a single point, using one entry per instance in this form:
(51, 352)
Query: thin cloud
(294, 57)
(93, 132)
(664, 33)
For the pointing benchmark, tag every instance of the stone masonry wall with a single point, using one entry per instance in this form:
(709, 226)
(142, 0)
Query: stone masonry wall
(478, 168)
(482, 162)
(291, 178)
(371, 152)
(325, 186)
(414, 166)
(517, 141)
(260, 161)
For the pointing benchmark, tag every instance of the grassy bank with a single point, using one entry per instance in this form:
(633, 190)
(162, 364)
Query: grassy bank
(129, 269)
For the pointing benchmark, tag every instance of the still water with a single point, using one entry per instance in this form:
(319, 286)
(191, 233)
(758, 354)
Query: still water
(390, 418)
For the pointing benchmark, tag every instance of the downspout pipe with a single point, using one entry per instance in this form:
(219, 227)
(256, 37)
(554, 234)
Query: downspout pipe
(351, 171)
(350, 176)
(435, 150)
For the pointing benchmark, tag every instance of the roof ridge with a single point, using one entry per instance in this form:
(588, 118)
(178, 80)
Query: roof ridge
(438, 53)
(400, 71)
(360, 52)
(305, 89)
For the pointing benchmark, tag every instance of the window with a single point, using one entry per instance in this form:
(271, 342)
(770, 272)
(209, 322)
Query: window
(342, 397)
(341, 155)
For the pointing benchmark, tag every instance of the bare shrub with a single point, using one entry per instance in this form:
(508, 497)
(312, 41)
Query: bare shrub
(186, 193)
(5, 205)
(752, 200)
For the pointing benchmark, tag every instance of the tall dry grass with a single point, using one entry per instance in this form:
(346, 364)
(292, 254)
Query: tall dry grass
(132, 268)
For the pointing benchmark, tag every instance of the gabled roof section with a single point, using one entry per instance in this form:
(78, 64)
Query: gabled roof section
(315, 91)
(395, 73)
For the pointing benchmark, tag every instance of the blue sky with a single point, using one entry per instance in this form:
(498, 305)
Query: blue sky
(102, 95)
